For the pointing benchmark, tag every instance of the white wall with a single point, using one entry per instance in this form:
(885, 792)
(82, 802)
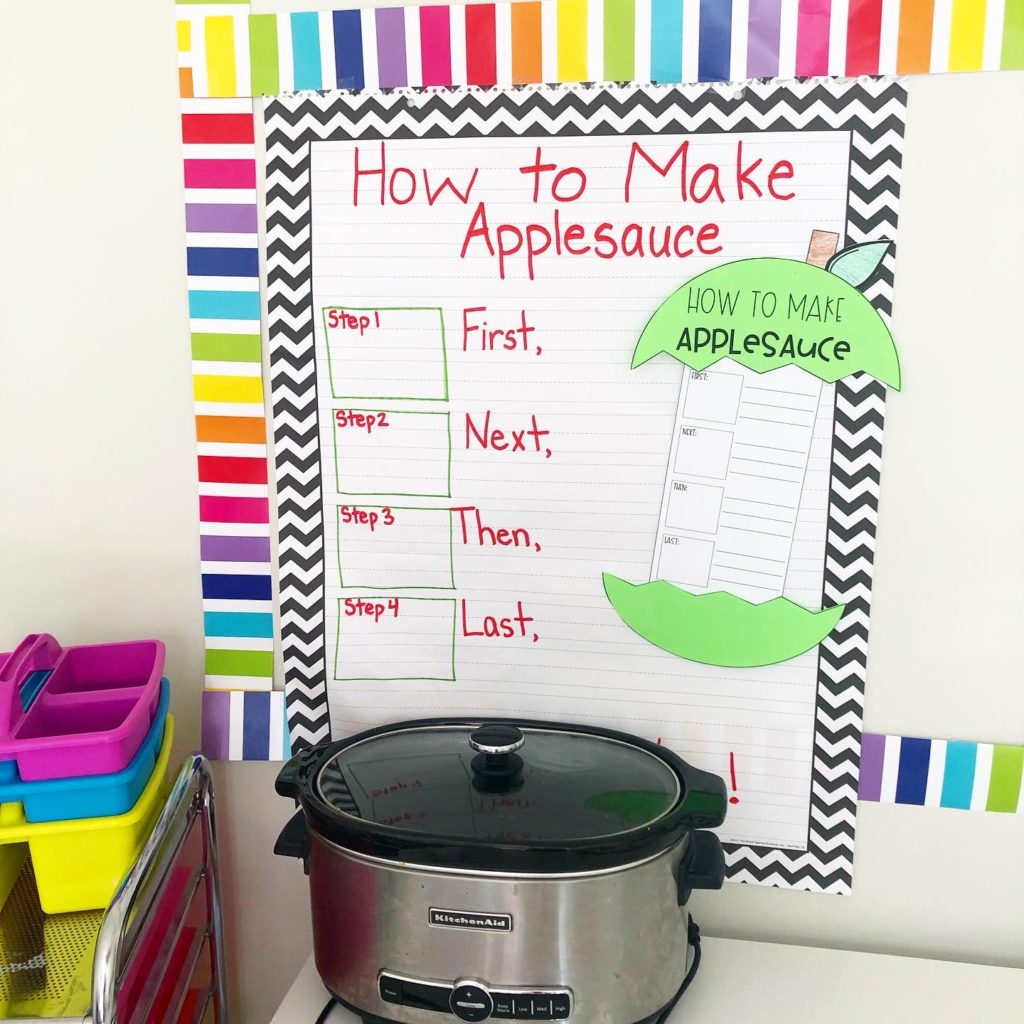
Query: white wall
(98, 522)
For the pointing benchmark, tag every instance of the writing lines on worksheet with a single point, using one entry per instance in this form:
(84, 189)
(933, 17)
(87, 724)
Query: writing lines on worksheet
(737, 469)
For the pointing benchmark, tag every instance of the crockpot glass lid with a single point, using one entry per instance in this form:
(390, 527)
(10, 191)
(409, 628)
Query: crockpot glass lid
(499, 783)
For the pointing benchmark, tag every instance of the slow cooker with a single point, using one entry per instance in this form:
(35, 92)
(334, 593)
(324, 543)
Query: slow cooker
(503, 869)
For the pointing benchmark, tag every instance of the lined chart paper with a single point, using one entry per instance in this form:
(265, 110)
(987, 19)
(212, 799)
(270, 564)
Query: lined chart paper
(493, 395)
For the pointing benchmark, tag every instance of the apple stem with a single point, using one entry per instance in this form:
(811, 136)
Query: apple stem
(822, 247)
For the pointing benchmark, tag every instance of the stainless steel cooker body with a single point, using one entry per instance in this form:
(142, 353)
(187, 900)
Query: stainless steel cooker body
(610, 945)
(502, 871)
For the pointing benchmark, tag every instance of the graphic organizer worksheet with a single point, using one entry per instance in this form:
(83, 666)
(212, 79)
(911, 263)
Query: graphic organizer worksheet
(741, 447)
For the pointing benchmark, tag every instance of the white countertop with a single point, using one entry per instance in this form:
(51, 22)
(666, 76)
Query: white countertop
(765, 983)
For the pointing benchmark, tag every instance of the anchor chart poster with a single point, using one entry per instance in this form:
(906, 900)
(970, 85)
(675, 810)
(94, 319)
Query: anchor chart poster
(578, 398)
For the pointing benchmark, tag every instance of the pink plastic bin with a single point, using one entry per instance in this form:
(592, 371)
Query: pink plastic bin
(68, 712)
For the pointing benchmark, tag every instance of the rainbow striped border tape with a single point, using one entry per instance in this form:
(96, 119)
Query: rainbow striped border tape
(241, 725)
(941, 773)
(243, 717)
(224, 306)
(533, 41)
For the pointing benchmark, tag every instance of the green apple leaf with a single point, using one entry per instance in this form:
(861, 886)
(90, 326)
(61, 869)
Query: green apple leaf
(719, 628)
(766, 313)
(858, 264)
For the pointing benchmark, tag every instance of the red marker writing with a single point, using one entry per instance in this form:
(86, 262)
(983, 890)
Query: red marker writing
(732, 776)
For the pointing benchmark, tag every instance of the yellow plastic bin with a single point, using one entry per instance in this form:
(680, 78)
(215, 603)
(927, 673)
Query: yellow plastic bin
(47, 958)
(79, 864)
(11, 860)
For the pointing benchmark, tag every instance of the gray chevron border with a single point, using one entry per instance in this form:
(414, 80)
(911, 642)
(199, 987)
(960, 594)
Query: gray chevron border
(872, 110)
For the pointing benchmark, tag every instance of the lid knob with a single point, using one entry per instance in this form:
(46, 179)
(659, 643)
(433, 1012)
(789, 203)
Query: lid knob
(497, 767)
(496, 739)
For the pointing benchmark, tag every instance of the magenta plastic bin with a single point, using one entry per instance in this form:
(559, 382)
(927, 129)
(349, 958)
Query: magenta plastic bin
(72, 711)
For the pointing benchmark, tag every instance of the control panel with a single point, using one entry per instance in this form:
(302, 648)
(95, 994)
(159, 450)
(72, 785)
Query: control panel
(470, 1000)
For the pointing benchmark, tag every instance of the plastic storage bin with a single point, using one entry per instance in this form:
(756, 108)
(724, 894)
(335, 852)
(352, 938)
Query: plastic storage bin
(47, 961)
(88, 796)
(76, 967)
(189, 961)
(79, 864)
(12, 859)
(67, 712)
(154, 944)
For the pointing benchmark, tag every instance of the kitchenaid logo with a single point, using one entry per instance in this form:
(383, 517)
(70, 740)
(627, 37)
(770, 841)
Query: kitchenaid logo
(467, 919)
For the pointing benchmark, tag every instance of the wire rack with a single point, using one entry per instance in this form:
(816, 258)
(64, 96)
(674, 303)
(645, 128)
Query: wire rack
(154, 956)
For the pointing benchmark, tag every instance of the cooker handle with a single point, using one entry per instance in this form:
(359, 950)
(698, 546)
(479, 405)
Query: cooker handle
(704, 797)
(297, 771)
(294, 840)
(702, 866)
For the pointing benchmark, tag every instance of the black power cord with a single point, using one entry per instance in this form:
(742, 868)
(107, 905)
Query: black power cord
(326, 1011)
(692, 938)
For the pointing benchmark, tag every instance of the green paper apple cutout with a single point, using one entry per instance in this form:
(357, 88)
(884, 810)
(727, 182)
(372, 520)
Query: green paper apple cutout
(719, 628)
(767, 312)
(764, 313)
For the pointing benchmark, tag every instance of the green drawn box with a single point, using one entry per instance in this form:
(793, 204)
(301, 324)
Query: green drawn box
(403, 430)
(364, 644)
(383, 536)
(386, 352)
